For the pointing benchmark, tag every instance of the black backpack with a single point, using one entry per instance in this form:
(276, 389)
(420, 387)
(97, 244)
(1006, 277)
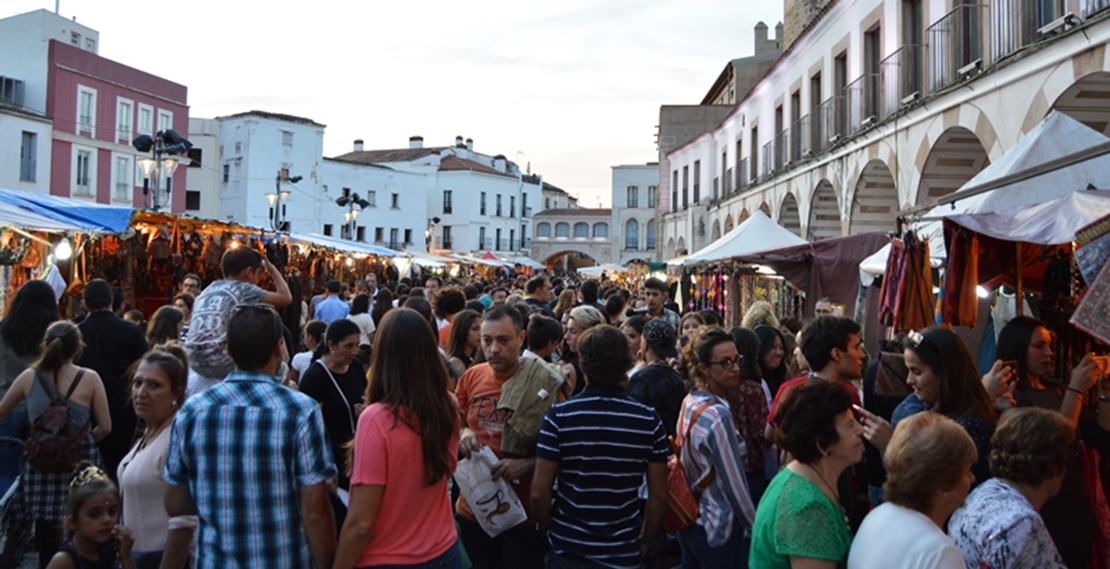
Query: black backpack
(55, 443)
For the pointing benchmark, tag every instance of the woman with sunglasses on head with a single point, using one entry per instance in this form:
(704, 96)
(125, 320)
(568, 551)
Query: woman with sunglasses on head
(712, 455)
(945, 380)
(1070, 515)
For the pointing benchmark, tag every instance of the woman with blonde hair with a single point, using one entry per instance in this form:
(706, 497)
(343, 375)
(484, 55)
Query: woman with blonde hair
(566, 301)
(928, 464)
(579, 319)
(760, 312)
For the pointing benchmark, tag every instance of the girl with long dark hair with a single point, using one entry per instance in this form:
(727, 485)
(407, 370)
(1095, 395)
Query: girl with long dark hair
(399, 510)
(464, 346)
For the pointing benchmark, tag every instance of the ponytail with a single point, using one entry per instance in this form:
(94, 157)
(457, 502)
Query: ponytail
(61, 345)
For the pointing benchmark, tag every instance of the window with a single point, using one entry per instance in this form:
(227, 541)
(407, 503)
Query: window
(361, 233)
(524, 205)
(523, 232)
(498, 205)
(327, 229)
(482, 204)
(393, 244)
(633, 196)
(227, 172)
(286, 138)
(447, 201)
(686, 187)
(165, 119)
(11, 91)
(75, 38)
(81, 173)
(408, 237)
(581, 230)
(543, 230)
(562, 229)
(632, 234)
(86, 110)
(378, 234)
(371, 197)
(27, 151)
(497, 238)
(652, 190)
(601, 230)
(192, 200)
(124, 116)
(123, 184)
(547, 203)
(481, 237)
(512, 238)
(146, 119)
(395, 201)
(651, 234)
(512, 206)
(674, 192)
(697, 181)
(446, 236)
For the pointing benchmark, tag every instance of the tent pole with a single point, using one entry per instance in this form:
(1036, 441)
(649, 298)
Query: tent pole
(1020, 292)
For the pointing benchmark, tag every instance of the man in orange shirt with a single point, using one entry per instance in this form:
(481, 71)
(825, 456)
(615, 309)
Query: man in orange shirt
(478, 393)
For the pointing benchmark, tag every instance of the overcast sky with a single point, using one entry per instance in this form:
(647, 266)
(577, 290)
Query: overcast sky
(574, 86)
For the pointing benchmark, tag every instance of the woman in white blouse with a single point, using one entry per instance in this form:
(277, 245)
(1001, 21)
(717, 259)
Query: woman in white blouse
(157, 391)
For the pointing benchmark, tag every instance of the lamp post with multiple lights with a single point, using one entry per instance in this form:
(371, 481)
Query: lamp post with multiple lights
(166, 148)
(279, 198)
(351, 214)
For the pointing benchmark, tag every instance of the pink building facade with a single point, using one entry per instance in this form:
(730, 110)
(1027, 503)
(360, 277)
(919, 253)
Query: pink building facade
(99, 106)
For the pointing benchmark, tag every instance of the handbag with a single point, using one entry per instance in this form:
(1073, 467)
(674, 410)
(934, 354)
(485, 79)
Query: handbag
(682, 500)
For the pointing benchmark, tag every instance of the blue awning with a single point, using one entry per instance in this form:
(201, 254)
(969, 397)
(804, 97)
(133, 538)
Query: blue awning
(342, 244)
(84, 216)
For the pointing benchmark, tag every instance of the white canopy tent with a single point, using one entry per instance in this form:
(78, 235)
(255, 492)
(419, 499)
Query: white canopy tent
(529, 262)
(757, 233)
(1056, 136)
(596, 270)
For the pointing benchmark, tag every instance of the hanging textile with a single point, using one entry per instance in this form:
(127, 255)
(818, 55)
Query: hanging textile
(906, 297)
(961, 303)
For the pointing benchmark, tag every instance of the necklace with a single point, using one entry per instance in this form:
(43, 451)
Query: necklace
(152, 434)
(832, 490)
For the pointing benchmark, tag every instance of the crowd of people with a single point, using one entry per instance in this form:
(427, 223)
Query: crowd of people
(216, 436)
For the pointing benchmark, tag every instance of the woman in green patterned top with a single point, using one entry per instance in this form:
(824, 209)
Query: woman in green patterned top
(799, 522)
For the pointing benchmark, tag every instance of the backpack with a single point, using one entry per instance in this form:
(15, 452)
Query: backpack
(55, 443)
(682, 502)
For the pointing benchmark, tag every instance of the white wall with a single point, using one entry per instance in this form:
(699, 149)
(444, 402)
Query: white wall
(383, 182)
(205, 178)
(642, 176)
(12, 126)
(24, 43)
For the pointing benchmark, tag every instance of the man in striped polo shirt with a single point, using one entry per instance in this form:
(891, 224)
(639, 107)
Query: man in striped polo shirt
(599, 445)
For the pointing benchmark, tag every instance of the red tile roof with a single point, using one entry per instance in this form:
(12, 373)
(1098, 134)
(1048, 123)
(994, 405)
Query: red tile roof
(387, 156)
(450, 163)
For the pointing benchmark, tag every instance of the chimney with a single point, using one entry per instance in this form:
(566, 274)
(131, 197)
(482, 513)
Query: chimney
(458, 141)
(470, 144)
(760, 36)
(499, 162)
(358, 145)
(778, 35)
(416, 141)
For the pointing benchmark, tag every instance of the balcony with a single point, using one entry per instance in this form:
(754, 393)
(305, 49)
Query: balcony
(1014, 24)
(742, 179)
(1095, 6)
(901, 78)
(765, 172)
(955, 42)
(484, 243)
(799, 139)
(861, 98)
(782, 149)
(828, 123)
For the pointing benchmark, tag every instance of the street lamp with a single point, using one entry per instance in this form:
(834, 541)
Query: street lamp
(165, 147)
(278, 198)
(428, 234)
(351, 214)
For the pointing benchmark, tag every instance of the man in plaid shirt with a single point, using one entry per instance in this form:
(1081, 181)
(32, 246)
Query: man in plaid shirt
(250, 457)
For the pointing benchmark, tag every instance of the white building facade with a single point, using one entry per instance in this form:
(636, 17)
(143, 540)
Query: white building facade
(634, 198)
(203, 174)
(28, 168)
(482, 202)
(881, 106)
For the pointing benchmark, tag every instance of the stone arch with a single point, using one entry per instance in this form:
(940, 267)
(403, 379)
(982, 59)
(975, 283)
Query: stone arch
(824, 212)
(956, 157)
(681, 246)
(670, 253)
(601, 230)
(728, 223)
(543, 229)
(1063, 78)
(788, 214)
(716, 229)
(1087, 100)
(572, 259)
(765, 208)
(875, 200)
(744, 215)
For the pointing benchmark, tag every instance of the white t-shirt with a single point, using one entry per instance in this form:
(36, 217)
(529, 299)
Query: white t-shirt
(365, 324)
(893, 537)
(301, 361)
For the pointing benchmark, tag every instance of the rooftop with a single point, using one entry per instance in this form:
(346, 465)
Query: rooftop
(274, 116)
(576, 212)
(390, 155)
(453, 163)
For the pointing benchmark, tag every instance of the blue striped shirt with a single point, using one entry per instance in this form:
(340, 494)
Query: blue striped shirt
(245, 448)
(603, 442)
(714, 443)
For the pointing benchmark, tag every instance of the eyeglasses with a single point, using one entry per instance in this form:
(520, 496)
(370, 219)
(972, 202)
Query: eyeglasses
(728, 363)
